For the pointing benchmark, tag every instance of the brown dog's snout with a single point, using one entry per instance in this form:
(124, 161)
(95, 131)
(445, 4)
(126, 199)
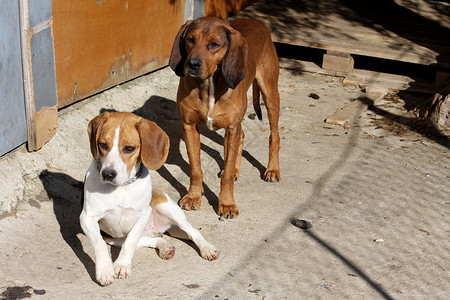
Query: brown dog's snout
(193, 65)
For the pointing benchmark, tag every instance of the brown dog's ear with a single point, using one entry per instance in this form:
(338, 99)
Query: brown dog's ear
(154, 144)
(178, 54)
(234, 63)
(94, 128)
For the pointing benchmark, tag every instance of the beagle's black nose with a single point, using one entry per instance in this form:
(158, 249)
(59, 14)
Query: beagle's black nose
(109, 175)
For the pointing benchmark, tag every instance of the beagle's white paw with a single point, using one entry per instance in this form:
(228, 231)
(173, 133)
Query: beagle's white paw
(209, 252)
(122, 269)
(166, 252)
(104, 273)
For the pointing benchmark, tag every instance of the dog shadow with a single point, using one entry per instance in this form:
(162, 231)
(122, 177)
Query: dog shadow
(66, 193)
(163, 112)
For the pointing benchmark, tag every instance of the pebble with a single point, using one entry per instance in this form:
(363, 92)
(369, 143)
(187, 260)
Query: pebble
(302, 224)
(314, 96)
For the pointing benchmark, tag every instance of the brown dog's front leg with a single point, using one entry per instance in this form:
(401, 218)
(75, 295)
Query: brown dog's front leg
(193, 199)
(237, 171)
(232, 144)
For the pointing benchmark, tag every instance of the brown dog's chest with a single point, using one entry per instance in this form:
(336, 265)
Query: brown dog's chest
(214, 106)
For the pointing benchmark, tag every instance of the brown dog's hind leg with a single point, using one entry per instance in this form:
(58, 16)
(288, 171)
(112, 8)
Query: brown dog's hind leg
(256, 95)
(269, 88)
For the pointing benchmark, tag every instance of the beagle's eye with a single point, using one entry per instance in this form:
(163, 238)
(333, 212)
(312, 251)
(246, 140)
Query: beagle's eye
(129, 149)
(213, 45)
(190, 40)
(104, 146)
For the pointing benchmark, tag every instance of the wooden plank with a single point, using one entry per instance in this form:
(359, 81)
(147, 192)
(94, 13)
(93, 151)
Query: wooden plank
(342, 116)
(376, 28)
(337, 61)
(37, 64)
(99, 44)
(355, 108)
(363, 77)
(27, 73)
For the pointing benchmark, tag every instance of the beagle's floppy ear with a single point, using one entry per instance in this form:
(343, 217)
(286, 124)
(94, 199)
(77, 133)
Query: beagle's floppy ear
(234, 63)
(94, 129)
(178, 55)
(154, 144)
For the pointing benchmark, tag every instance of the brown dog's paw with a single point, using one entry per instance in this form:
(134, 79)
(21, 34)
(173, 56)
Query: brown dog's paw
(236, 174)
(190, 203)
(272, 175)
(228, 211)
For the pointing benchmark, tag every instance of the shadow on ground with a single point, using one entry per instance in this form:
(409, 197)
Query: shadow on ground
(66, 193)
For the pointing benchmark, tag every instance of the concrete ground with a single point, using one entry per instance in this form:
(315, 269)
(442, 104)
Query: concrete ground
(375, 191)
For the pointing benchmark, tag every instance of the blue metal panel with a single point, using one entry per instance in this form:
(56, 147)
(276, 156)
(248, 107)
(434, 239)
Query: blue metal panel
(194, 9)
(40, 11)
(13, 129)
(44, 74)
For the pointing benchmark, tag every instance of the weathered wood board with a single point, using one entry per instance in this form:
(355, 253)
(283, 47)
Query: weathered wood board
(355, 108)
(407, 31)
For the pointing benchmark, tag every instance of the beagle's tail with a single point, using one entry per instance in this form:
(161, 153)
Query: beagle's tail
(256, 95)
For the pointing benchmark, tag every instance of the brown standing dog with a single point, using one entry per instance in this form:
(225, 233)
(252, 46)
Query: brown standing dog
(217, 63)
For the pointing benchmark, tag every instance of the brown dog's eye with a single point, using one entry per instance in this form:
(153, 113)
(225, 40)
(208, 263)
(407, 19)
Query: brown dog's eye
(190, 40)
(129, 149)
(104, 146)
(213, 45)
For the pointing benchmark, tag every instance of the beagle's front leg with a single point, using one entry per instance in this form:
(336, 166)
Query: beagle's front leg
(193, 198)
(122, 265)
(104, 270)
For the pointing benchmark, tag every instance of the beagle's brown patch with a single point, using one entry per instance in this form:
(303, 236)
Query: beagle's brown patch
(157, 198)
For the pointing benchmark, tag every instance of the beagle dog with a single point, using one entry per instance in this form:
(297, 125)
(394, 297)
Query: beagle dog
(217, 62)
(119, 202)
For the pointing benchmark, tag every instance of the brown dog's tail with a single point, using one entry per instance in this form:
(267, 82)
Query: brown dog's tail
(256, 95)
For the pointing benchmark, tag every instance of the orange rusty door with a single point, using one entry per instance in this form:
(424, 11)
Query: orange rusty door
(100, 43)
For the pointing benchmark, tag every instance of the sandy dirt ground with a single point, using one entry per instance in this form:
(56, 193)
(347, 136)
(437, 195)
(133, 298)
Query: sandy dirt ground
(376, 193)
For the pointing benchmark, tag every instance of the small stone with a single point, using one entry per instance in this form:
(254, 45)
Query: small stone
(39, 292)
(314, 96)
(378, 241)
(301, 224)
